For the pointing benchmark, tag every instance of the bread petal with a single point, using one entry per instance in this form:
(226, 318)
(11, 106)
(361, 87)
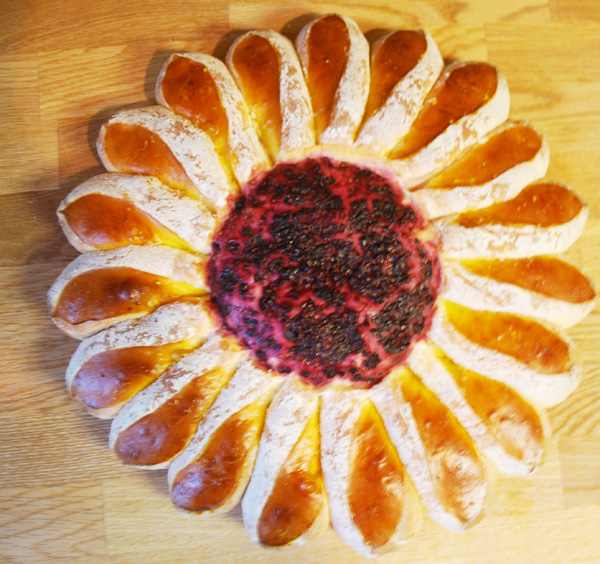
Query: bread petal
(190, 146)
(170, 264)
(159, 437)
(459, 135)
(302, 513)
(392, 120)
(246, 395)
(183, 216)
(295, 112)
(439, 201)
(186, 321)
(245, 154)
(510, 433)
(540, 388)
(350, 96)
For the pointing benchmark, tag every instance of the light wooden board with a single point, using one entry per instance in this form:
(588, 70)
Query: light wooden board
(65, 66)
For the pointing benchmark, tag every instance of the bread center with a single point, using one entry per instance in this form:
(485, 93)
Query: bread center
(320, 272)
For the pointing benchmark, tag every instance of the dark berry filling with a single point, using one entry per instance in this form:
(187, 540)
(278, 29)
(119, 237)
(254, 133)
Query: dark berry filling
(317, 271)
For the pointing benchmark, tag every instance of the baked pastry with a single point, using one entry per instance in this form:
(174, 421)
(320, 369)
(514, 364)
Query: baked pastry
(323, 280)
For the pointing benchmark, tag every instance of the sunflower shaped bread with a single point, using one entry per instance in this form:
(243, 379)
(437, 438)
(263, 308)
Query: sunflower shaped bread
(323, 279)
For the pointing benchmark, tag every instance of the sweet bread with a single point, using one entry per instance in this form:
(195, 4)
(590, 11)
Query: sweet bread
(404, 67)
(136, 210)
(322, 279)
(267, 72)
(156, 142)
(101, 288)
(334, 55)
(200, 88)
(505, 161)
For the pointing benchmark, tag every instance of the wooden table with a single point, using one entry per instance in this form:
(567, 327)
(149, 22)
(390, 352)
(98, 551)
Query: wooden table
(65, 66)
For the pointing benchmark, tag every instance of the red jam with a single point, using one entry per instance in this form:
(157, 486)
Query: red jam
(318, 271)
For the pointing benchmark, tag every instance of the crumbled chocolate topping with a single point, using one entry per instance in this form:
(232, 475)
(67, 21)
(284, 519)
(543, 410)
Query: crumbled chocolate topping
(318, 272)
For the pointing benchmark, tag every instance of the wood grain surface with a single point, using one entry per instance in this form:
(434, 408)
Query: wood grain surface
(65, 67)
